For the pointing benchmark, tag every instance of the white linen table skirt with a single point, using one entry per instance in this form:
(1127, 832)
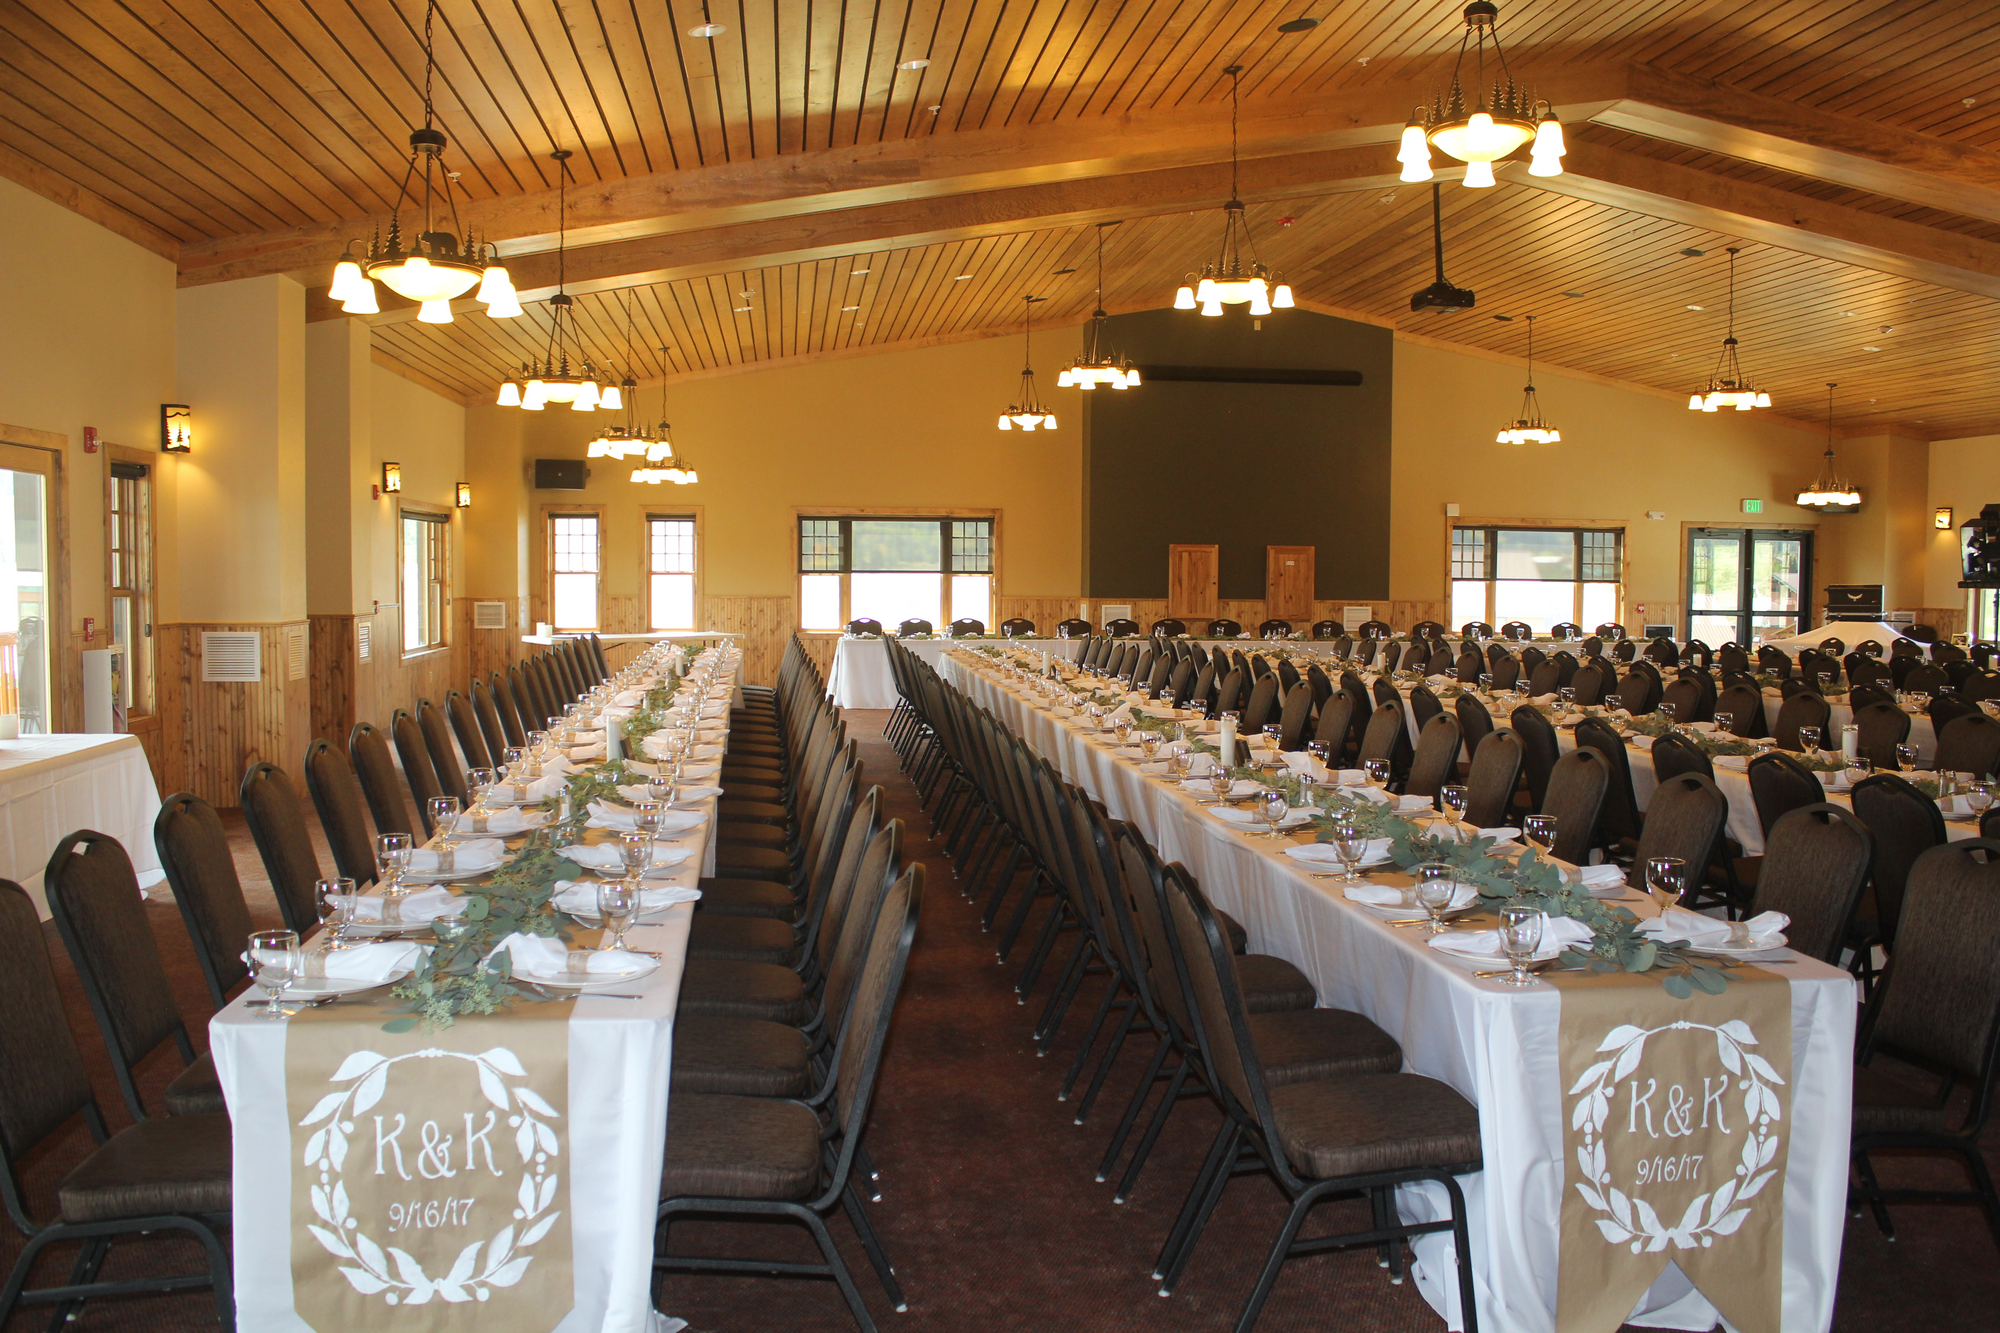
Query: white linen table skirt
(861, 677)
(1496, 1046)
(51, 786)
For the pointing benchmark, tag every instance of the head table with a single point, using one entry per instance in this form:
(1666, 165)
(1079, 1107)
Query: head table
(1504, 1048)
(501, 1172)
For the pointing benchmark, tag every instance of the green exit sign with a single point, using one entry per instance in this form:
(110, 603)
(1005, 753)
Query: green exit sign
(1753, 506)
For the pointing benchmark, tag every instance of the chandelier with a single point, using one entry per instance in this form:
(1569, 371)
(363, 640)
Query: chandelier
(434, 267)
(1490, 131)
(626, 440)
(1226, 281)
(1728, 386)
(1529, 428)
(554, 377)
(1026, 411)
(661, 464)
(1097, 366)
(1829, 492)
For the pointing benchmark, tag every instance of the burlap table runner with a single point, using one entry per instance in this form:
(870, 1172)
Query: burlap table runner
(1675, 1116)
(428, 1184)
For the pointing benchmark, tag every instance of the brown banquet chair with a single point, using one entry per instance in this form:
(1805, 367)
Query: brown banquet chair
(376, 771)
(416, 760)
(194, 853)
(343, 816)
(277, 823)
(438, 748)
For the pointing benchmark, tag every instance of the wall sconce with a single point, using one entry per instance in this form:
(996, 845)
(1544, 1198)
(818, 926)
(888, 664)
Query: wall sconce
(392, 478)
(176, 428)
(464, 495)
(1941, 520)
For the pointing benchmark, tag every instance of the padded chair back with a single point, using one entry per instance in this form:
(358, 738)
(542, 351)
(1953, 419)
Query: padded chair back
(1745, 706)
(194, 852)
(1015, 626)
(1546, 679)
(1274, 626)
(1071, 628)
(1229, 692)
(1924, 679)
(1940, 1000)
(1620, 816)
(1815, 864)
(1638, 694)
(1505, 670)
(1288, 679)
(1167, 627)
(1946, 709)
(1471, 666)
(1293, 716)
(416, 759)
(1685, 696)
(1539, 749)
(1804, 709)
(377, 773)
(1223, 629)
(278, 826)
(1365, 651)
(1880, 728)
(1141, 879)
(1435, 761)
(519, 702)
(1389, 656)
(100, 913)
(1326, 629)
(1780, 784)
(862, 625)
(966, 627)
(1905, 824)
(1663, 651)
(1588, 682)
(336, 796)
(1441, 661)
(1491, 779)
(1387, 739)
(914, 625)
(42, 1078)
(1684, 819)
(1673, 755)
(1263, 701)
(437, 747)
(491, 712)
(1969, 744)
(465, 724)
(1576, 787)
(1475, 724)
(1336, 721)
(1423, 707)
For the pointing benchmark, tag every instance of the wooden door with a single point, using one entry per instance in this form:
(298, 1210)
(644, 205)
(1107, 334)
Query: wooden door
(1288, 582)
(1192, 580)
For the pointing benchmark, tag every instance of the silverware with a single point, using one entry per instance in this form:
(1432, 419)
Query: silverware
(1532, 969)
(607, 995)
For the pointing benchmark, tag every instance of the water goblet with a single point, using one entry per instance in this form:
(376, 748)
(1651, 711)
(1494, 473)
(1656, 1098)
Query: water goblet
(1725, 722)
(1520, 937)
(1453, 797)
(1486, 682)
(647, 817)
(1541, 832)
(478, 782)
(1274, 808)
(1980, 797)
(636, 850)
(1121, 729)
(1198, 707)
(1350, 846)
(1377, 770)
(444, 816)
(392, 858)
(1906, 758)
(1809, 739)
(1435, 890)
(1323, 752)
(661, 788)
(1666, 711)
(1149, 745)
(618, 907)
(1664, 875)
(1181, 763)
(451, 928)
(274, 963)
(335, 900)
(1220, 784)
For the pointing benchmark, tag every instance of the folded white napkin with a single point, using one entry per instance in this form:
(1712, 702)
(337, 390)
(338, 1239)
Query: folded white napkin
(376, 962)
(506, 820)
(544, 956)
(1352, 777)
(1323, 854)
(1954, 807)
(1642, 742)
(1592, 877)
(1558, 933)
(629, 698)
(1544, 700)
(1412, 803)
(1503, 834)
(605, 815)
(1835, 781)
(580, 897)
(1248, 817)
(1735, 763)
(419, 906)
(1387, 895)
(481, 854)
(605, 856)
(1677, 923)
(539, 790)
(585, 754)
(1237, 790)
(689, 793)
(1705, 728)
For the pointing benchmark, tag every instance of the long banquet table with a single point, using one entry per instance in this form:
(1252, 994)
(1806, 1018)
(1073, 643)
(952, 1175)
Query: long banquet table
(1496, 1045)
(613, 1123)
(50, 786)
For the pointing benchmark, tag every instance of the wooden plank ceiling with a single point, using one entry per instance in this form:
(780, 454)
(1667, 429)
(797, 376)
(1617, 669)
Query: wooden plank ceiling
(205, 120)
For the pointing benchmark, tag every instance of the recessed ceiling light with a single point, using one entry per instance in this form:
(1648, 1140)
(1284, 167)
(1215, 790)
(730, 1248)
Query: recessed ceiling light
(1847, 314)
(1061, 271)
(850, 307)
(1887, 328)
(935, 109)
(1967, 101)
(961, 277)
(1507, 319)
(914, 64)
(1572, 293)
(708, 30)
(1697, 307)
(859, 272)
(744, 309)
(1298, 25)
(1871, 348)
(1693, 253)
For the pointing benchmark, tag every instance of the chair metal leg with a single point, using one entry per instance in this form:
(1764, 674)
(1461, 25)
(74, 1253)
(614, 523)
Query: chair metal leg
(1874, 1191)
(1111, 1050)
(1280, 1248)
(1038, 886)
(1217, 1183)
(1982, 1180)
(1008, 870)
(1052, 926)
(89, 1259)
(839, 1267)
(872, 1243)
(1067, 984)
(1133, 1107)
(1112, 987)
(1145, 1148)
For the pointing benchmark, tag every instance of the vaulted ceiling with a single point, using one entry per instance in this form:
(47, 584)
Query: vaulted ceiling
(789, 189)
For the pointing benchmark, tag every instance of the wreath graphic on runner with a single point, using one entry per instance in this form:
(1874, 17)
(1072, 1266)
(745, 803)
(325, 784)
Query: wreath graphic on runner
(396, 1273)
(1630, 1219)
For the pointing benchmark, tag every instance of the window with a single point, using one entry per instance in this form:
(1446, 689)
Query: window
(130, 569)
(670, 571)
(1746, 585)
(894, 569)
(1541, 576)
(575, 557)
(426, 580)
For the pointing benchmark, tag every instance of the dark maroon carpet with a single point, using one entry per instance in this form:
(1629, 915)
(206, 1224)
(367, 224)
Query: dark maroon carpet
(989, 1207)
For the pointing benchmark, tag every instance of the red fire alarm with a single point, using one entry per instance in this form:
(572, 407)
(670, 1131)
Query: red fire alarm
(89, 628)
(90, 439)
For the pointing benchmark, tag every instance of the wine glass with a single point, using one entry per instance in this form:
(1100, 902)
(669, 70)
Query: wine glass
(1377, 770)
(1220, 784)
(392, 858)
(1149, 745)
(1809, 739)
(1273, 808)
(1167, 696)
(444, 817)
(660, 788)
(1181, 764)
(1725, 722)
(1350, 846)
(1567, 693)
(1121, 729)
(1453, 797)
(1541, 831)
(1666, 711)
(1435, 890)
(618, 905)
(478, 782)
(636, 850)
(1322, 751)
(1906, 758)
(1520, 937)
(274, 963)
(1979, 796)
(1486, 682)
(1274, 733)
(335, 900)
(1664, 878)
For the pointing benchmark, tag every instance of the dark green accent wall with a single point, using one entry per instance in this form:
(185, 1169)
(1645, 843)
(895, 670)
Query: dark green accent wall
(1243, 466)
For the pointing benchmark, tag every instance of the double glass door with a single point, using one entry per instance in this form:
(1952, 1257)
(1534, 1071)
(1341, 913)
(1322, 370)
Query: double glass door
(25, 476)
(1748, 584)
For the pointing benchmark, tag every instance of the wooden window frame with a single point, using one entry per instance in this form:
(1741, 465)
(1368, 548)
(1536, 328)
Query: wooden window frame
(444, 518)
(801, 514)
(1578, 527)
(45, 452)
(142, 714)
(649, 512)
(549, 513)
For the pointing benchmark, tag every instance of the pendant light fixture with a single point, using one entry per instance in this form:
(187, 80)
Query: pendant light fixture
(435, 266)
(662, 466)
(1026, 411)
(618, 441)
(1488, 132)
(1728, 386)
(1226, 281)
(1098, 365)
(1830, 492)
(564, 374)
(1529, 428)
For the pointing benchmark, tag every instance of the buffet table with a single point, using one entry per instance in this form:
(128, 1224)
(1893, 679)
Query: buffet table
(51, 786)
(1500, 1047)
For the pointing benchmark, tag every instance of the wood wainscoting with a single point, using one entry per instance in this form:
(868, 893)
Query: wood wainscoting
(210, 732)
(1250, 613)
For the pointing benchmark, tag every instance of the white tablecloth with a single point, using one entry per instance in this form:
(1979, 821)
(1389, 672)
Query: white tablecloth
(620, 1062)
(1496, 1046)
(861, 677)
(51, 786)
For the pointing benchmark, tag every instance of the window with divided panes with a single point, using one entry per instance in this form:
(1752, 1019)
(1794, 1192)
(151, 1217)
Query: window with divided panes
(670, 571)
(575, 558)
(895, 569)
(1540, 576)
(130, 569)
(426, 580)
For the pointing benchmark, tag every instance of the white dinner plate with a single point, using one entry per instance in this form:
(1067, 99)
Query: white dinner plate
(1413, 913)
(592, 981)
(376, 930)
(318, 988)
(455, 877)
(1482, 961)
(1762, 944)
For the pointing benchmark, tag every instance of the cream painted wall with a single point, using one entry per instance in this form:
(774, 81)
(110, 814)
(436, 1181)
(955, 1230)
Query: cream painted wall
(1964, 475)
(86, 339)
(340, 427)
(1623, 452)
(426, 434)
(911, 429)
(496, 527)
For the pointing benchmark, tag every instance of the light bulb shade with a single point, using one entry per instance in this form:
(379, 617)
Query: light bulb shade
(1212, 308)
(419, 279)
(1416, 172)
(1414, 146)
(587, 392)
(1763, 400)
(363, 301)
(1545, 164)
(1066, 378)
(1259, 305)
(1006, 422)
(506, 307)
(690, 477)
(494, 285)
(583, 405)
(1549, 137)
(1204, 291)
(1048, 421)
(435, 312)
(1132, 378)
(534, 395)
(510, 395)
(1479, 175)
(612, 399)
(1481, 138)
(1694, 402)
(1281, 299)
(1184, 299)
(347, 281)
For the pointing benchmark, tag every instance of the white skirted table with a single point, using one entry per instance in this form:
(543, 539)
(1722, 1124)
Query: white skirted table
(51, 786)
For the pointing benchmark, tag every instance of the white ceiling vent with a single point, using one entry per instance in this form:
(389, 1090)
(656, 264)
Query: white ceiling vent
(232, 655)
(489, 615)
(295, 652)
